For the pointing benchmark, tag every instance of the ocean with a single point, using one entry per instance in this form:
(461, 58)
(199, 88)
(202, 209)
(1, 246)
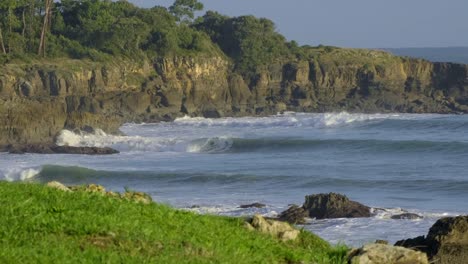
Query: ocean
(414, 163)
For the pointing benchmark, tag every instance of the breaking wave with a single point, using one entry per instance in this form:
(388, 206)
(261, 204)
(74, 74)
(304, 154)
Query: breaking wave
(291, 119)
(19, 174)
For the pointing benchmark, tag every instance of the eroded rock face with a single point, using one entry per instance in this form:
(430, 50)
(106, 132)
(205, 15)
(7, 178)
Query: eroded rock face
(37, 101)
(333, 205)
(381, 253)
(446, 242)
(277, 229)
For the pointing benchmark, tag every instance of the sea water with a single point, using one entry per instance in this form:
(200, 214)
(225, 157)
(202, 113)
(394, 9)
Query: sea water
(396, 162)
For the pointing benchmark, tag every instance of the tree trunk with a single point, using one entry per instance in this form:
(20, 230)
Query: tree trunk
(45, 26)
(2, 45)
(24, 22)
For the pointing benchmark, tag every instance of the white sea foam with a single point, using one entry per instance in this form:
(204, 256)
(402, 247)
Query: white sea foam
(205, 135)
(122, 143)
(291, 119)
(19, 174)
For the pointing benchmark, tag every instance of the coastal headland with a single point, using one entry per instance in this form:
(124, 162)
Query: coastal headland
(39, 99)
(99, 64)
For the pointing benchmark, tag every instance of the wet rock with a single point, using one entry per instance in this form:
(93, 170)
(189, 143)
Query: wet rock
(277, 229)
(253, 205)
(381, 253)
(83, 150)
(54, 149)
(59, 186)
(446, 242)
(294, 215)
(333, 205)
(410, 216)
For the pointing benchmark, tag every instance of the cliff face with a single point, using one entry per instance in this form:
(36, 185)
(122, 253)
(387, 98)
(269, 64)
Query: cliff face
(37, 101)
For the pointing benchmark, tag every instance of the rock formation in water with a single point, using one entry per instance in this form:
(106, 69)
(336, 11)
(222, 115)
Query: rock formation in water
(333, 205)
(38, 100)
(446, 242)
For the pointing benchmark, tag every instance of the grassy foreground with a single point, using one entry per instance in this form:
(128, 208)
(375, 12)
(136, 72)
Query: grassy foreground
(39, 224)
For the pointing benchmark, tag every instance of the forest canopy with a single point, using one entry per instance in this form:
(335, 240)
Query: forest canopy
(99, 29)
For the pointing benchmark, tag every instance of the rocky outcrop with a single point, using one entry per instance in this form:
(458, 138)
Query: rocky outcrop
(446, 242)
(54, 149)
(333, 205)
(381, 253)
(253, 205)
(294, 215)
(38, 100)
(277, 229)
(138, 197)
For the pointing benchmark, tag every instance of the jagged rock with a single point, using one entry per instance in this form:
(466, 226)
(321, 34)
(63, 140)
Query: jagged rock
(333, 205)
(277, 229)
(446, 242)
(59, 186)
(406, 216)
(386, 254)
(253, 205)
(294, 215)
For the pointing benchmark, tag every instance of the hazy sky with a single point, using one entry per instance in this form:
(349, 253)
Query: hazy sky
(355, 23)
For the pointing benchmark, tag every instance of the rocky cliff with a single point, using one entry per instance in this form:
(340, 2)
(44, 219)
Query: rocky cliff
(39, 99)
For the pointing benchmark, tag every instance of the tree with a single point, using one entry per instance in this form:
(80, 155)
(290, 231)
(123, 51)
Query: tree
(45, 27)
(184, 10)
(2, 44)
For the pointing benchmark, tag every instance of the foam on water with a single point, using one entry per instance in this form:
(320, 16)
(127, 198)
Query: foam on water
(290, 119)
(19, 174)
(121, 143)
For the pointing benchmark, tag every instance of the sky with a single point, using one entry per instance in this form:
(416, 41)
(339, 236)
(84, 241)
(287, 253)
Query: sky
(355, 23)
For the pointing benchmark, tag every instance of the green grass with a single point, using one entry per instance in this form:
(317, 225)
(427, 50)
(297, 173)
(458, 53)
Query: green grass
(43, 225)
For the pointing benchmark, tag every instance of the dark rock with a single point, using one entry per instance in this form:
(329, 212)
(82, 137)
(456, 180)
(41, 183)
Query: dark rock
(446, 242)
(54, 149)
(406, 216)
(83, 150)
(253, 205)
(417, 243)
(333, 205)
(380, 241)
(294, 215)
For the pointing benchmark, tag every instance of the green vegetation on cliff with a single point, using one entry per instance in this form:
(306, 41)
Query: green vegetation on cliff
(45, 225)
(98, 29)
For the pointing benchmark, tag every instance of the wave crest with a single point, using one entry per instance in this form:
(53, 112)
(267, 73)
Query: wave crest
(19, 174)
